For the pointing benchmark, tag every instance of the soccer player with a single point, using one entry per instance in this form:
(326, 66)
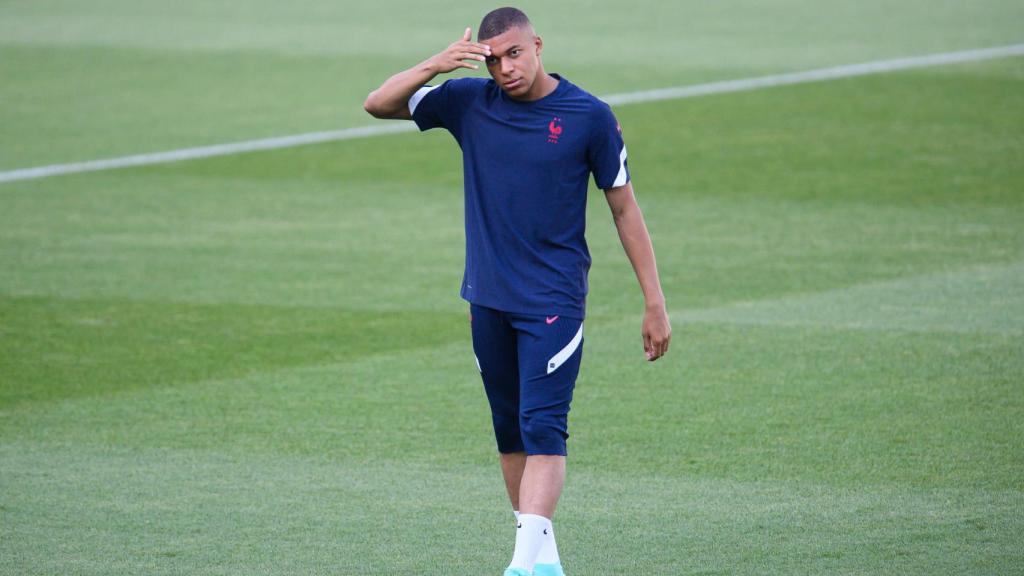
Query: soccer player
(530, 141)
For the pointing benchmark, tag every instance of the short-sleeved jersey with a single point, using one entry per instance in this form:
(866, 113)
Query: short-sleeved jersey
(526, 167)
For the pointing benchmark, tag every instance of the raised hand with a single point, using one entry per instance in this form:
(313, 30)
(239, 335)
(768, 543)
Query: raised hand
(455, 56)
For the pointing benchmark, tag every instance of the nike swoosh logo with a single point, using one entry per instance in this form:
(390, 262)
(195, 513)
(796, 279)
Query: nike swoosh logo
(550, 320)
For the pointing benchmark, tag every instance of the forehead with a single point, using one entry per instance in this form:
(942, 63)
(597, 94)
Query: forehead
(515, 36)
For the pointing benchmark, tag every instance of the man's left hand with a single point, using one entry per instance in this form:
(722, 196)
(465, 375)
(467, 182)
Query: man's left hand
(657, 332)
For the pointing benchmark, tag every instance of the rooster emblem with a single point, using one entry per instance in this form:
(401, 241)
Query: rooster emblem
(554, 130)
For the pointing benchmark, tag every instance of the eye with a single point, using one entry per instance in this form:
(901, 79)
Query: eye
(514, 52)
(491, 60)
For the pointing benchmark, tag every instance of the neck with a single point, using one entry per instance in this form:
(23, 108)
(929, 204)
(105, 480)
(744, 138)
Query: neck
(544, 85)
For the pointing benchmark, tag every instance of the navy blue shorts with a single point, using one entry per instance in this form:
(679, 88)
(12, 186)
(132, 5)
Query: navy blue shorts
(529, 365)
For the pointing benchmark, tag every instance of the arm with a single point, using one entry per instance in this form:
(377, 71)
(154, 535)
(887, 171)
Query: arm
(637, 242)
(391, 100)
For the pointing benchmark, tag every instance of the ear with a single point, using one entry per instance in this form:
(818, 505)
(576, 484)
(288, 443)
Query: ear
(539, 43)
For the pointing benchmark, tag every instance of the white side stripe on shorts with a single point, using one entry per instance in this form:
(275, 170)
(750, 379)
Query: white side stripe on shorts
(564, 354)
(414, 100)
(475, 357)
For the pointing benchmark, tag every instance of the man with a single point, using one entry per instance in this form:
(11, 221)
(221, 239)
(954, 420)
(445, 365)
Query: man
(530, 141)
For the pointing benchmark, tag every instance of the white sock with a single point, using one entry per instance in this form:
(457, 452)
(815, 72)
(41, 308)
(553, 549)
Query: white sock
(530, 533)
(549, 549)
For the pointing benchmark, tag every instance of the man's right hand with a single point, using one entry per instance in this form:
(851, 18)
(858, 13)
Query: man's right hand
(455, 56)
(391, 100)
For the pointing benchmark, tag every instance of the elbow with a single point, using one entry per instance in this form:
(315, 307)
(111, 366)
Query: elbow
(374, 108)
(370, 105)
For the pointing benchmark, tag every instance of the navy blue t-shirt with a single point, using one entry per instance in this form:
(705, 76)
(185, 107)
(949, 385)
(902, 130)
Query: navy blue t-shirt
(526, 167)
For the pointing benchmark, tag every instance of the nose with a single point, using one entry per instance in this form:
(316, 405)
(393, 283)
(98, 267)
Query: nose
(506, 66)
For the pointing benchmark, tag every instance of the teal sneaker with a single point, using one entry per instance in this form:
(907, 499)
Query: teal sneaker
(516, 572)
(548, 570)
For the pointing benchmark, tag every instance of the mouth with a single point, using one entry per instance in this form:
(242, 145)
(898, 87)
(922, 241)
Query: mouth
(512, 84)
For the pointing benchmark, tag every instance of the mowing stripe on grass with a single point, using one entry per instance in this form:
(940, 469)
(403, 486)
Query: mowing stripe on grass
(745, 84)
(985, 299)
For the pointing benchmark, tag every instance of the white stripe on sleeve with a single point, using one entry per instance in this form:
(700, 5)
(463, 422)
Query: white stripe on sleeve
(620, 180)
(414, 101)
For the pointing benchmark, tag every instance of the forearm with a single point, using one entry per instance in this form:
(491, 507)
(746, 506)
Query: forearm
(391, 100)
(636, 241)
(629, 221)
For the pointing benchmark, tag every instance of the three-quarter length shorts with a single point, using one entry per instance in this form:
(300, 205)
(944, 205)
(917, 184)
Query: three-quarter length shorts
(529, 365)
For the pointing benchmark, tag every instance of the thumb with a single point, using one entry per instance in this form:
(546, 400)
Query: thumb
(468, 35)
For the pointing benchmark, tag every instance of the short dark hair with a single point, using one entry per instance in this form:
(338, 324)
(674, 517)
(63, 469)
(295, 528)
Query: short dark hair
(499, 21)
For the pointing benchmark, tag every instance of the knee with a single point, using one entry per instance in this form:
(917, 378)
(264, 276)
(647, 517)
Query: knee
(506, 432)
(543, 433)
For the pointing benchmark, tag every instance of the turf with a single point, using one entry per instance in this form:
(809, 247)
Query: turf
(258, 364)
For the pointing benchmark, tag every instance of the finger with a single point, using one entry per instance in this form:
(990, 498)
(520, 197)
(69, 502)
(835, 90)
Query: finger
(471, 56)
(472, 48)
(467, 35)
(661, 346)
(648, 348)
(468, 65)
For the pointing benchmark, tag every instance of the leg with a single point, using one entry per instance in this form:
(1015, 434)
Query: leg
(494, 344)
(549, 361)
(550, 349)
(512, 466)
(541, 485)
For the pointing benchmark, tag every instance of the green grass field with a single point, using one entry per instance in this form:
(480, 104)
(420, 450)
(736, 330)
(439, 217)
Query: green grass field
(259, 364)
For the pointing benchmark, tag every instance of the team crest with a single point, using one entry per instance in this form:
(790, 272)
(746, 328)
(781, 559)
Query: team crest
(554, 130)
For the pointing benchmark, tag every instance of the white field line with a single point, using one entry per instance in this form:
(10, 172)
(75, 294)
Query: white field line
(205, 151)
(821, 74)
(741, 85)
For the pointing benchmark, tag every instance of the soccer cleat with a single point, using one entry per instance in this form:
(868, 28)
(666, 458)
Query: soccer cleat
(548, 570)
(516, 572)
